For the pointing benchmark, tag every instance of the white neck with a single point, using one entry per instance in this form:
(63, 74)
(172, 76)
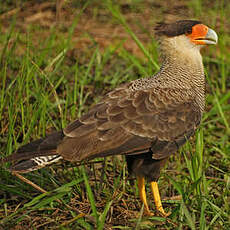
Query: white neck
(182, 62)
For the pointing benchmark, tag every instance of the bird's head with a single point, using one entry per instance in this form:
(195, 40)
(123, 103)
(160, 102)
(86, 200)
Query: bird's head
(187, 31)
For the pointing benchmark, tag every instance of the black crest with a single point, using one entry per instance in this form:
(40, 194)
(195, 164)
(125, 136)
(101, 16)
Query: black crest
(175, 29)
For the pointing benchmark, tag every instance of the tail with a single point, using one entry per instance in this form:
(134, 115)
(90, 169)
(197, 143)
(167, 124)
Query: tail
(35, 155)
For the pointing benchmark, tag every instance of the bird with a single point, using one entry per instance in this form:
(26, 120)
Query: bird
(146, 120)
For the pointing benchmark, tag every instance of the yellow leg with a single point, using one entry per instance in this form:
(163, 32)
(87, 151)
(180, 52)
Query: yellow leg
(142, 194)
(157, 198)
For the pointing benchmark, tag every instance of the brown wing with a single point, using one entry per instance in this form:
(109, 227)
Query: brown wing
(132, 122)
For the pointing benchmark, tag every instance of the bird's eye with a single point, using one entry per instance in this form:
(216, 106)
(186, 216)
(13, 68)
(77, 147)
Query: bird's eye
(189, 31)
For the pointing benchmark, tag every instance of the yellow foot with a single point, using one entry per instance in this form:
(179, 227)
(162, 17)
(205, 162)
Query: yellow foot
(148, 213)
(157, 199)
(163, 213)
(158, 213)
(156, 196)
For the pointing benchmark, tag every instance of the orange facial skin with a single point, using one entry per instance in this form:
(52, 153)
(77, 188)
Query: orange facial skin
(198, 34)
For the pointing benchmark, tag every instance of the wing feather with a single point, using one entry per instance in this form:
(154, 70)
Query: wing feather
(167, 115)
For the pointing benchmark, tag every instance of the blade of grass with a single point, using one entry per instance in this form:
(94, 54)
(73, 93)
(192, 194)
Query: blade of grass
(90, 195)
(188, 217)
(116, 13)
(139, 218)
(103, 215)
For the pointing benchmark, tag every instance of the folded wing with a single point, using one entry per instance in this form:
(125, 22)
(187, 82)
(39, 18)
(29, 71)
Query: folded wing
(132, 122)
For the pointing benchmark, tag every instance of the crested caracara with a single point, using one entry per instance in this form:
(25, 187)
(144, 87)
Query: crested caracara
(146, 120)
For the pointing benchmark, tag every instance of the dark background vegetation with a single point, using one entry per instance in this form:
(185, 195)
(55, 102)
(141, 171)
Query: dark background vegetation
(59, 57)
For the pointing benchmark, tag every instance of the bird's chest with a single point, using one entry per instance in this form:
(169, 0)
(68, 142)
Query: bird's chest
(199, 93)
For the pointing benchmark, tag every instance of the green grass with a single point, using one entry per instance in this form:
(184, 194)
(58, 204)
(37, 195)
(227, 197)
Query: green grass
(46, 82)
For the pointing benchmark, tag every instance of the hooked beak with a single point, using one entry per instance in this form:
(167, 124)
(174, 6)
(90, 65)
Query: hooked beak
(211, 38)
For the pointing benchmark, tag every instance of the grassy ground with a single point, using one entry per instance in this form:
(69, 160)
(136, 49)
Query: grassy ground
(57, 61)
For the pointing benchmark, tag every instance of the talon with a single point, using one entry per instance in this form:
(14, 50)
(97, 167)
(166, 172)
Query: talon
(148, 213)
(162, 213)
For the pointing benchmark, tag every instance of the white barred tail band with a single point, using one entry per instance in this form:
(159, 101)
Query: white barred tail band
(35, 163)
(42, 161)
